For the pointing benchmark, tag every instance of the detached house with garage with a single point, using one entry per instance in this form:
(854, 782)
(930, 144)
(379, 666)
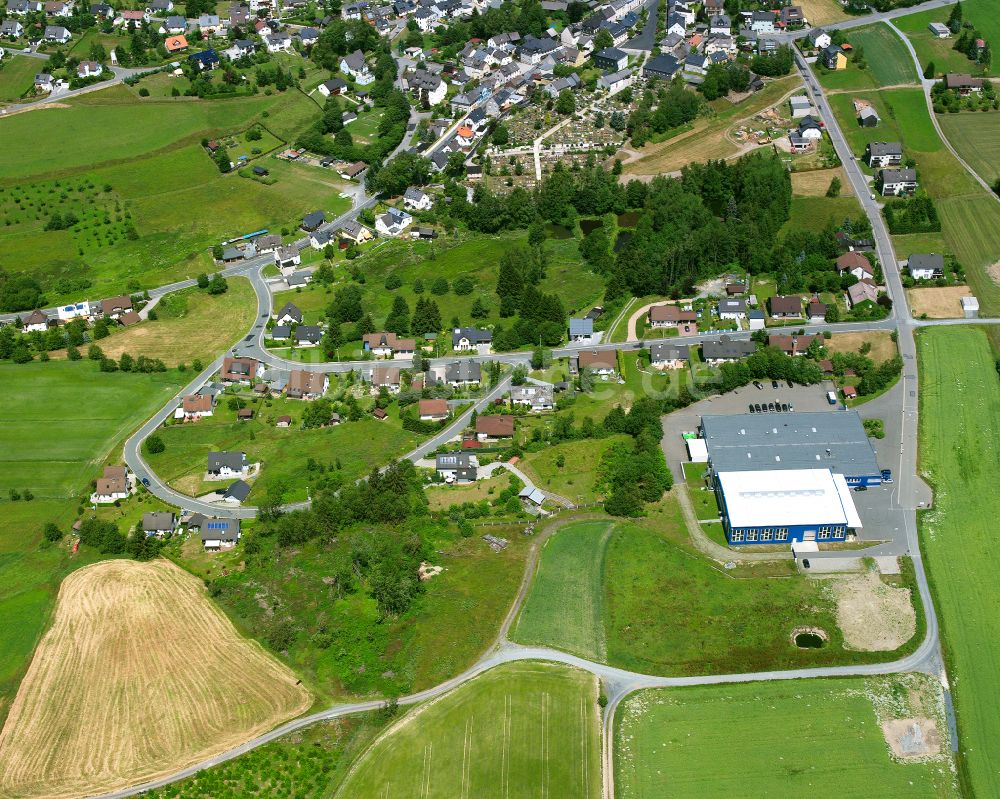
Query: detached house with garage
(217, 534)
(882, 154)
(457, 467)
(306, 385)
(226, 465)
(417, 200)
(789, 307)
(158, 523)
(115, 307)
(925, 266)
(433, 410)
(289, 314)
(387, 377)
(115, 484)
(664, 355)
(387, 345)
(493, 427)
(354, 64)
(239, 370)
(856, 264)
(195, 406)
(581, 330)
(535, 398)
(393, 222)
(466, 339)
(670, 316)
(732, 308)
(897, 182)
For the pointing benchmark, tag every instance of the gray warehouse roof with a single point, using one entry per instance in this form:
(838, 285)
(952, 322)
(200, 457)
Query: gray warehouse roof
(827, 439)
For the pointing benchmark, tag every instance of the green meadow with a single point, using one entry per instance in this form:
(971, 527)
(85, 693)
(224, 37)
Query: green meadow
(976, 137)
(17, 76)
(888, 62)
(981, 13)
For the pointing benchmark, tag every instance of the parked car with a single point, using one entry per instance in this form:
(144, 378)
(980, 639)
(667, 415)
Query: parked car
(790, 384)
(774, 384)
(784, 407)
(145, 481)
(859, 489)
(887, 475)
(758, 408)
(758, 384)
(751, 409)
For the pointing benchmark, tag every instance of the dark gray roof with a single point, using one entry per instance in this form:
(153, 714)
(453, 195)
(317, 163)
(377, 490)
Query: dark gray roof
(474, 334)
(885, 148)
(292, 310)
(824, 440)
(310, 333)
(727, 348)
(898, 175)
(281, 331)
(158, 520)
(220, 530)
(466, 371)
(313, 220)
(926, 260)
(234, 460)
(239, 491)
(665, 351)
(454, 460)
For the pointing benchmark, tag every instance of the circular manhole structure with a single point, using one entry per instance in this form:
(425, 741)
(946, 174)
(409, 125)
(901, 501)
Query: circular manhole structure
(809, 637)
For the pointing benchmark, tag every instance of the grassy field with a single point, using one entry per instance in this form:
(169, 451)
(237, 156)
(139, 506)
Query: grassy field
(976, 137)
(816, 213)
(882, 346)
(960, 409)
(708, 136)
(17, 75)
(576, 478)
(970, 218)
(283, 452)
(564, 608)
(820, 738)
(307, 765)
(822, 12)
(60, 420)
(115, 674)
(191, 324)
(889, 63)
(981, 13)
(526, 729)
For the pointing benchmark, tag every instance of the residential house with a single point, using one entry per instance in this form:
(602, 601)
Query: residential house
(816, 310)
(287, 258)
(465, 339)
(278, 43)
(319, 239)
(536, 398)
(726, 350)
(281, 332)
(174, 25)
(354, 64)
(112, 486)
(114, 307)
(132, 19)
(35, 321)
(755, 318)
(614, 82)
(387, 377)
(44, 82)
(18, 8)
(732, 308)
(289, 314)
(312, 221)
(559, 85)
(428, 87)
(819, 39)
(581, 330)
(611, 59)
(175, 44)
(354, 232)
(11, 28)
(222, 465)
(661, 67)
(925, 266)
(457, 374)
(158, 523)
(417, 200)
(897, 181)
(862, 291)
(307, 335)
(882, 154)
(58, 9)
(210, 23)
(494, 426)
(239, 370)
(57, 33)
(76, 310)
(308, 36)
(963, 84)
(762, 21)
(792, 345)
(393, 222)
(792, 16)
(720, 24)
(834, 58)
(669, 316)
(306, 385)
(800, 105)
(601, 363)
(433, 410)
(89, 69)
(266, 244)
(332, 87)
(205, 60)
(387, 345)
(664, 355)
(457, 467)
(195, 406)
(856, 264)
(218, 534)
(786, 307)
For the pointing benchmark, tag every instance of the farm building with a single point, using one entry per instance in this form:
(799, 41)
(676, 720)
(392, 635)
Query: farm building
(806, 505)
(834, 440)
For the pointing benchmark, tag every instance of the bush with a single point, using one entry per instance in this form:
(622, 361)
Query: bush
(154, 445)
(393, 282)
(439, 286)
(144, 92)
(52, 533)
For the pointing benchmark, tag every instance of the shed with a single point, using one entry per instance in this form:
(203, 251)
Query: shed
(697, 450)
(970, 307)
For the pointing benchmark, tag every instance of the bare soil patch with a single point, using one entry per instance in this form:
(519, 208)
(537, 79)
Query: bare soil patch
(816, 182)
(883, 347)
(874, 616)
(938, 303)
(911, 739)
(139, 676)
(994, 272)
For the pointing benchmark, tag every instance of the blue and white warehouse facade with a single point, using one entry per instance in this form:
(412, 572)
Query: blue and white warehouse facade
(779, 507)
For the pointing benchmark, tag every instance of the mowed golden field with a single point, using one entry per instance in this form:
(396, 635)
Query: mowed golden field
(139, 675)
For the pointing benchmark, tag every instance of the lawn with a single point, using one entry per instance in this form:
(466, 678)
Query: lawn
(981, 13)
(17, 76)
(959, 450)
(525, 729)
(889, 62)
(976, 137)
(191, 324)
(116, 620)
(307, 764)
(576, 479)
(283, 452)
(817, 738)
(666, 609)
(816, 213)
(564, 608)
(61, 419)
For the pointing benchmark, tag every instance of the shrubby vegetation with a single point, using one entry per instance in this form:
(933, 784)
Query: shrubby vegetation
(915, 214)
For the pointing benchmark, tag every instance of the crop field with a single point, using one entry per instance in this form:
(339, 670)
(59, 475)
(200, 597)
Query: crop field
(17, 75)
(564, 608)
(525, 729)
(665, 609)
(976, 137)
(981, 13)
(889, 63)
(822, 12)
(283, 452)
(191, 324)
(307, 765)
(53, 447)
(817, 738)
(708, 137)
(121, 689)
(960, 410)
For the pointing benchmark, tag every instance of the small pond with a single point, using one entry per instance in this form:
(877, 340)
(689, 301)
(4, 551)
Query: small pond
(622, 241)
(558, 231)
(588, 226)
(631, 219)
(809, 641)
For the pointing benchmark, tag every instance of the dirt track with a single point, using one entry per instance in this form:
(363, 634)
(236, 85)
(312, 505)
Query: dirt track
(140, 675)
